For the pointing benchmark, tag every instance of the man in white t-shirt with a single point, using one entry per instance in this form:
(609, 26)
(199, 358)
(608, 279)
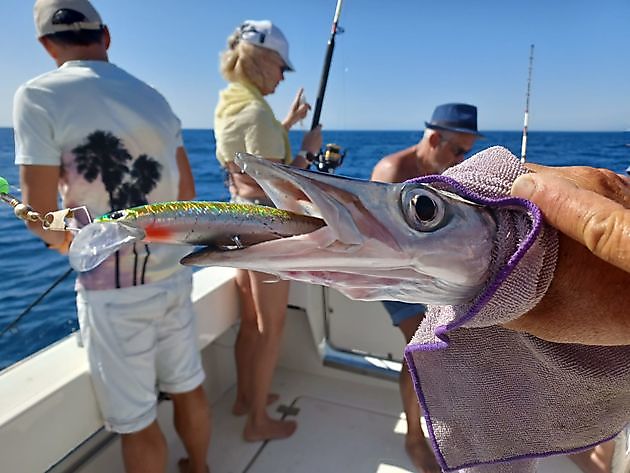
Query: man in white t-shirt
(106, 140)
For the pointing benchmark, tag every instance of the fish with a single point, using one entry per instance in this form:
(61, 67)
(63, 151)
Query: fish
(411, 242)
(217, 225)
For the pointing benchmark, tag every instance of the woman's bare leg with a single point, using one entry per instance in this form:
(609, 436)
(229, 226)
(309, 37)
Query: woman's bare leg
(245, 346)
(270, 301)
(245, 343)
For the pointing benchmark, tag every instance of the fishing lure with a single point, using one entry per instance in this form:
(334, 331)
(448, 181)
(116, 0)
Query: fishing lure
(220, 225)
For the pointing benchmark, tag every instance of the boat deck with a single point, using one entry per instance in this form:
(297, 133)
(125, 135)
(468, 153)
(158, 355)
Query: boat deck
(369, 439)
(347, 422)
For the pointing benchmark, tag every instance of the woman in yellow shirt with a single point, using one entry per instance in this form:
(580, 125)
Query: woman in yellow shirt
(254, 64)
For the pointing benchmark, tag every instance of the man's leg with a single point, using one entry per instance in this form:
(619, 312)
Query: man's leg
(144, 451)
(122, 368)
(597, 459)
(192, 422)
(416, 444)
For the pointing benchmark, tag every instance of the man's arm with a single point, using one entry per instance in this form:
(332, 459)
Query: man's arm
(39, 191)
(186, 179)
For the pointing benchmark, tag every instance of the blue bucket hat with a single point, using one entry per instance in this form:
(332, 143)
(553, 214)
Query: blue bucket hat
(457, 117)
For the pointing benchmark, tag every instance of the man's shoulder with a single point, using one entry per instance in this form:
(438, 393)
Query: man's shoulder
(402, 155)
(396, 167)
(42, 80)
(399, 159)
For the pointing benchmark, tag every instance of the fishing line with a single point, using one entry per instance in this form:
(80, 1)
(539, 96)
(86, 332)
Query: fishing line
(54, 221)
(15, 321)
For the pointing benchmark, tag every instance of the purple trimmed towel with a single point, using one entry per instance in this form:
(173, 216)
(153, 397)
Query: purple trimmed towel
(494, 399)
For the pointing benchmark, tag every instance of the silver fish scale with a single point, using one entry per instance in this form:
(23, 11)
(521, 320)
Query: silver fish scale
(219, 224)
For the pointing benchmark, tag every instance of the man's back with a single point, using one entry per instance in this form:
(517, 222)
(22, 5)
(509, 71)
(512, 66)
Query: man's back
(115, 139)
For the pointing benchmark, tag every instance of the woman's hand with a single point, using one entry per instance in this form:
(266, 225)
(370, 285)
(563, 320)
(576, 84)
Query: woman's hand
(298, 111)
(312, 141)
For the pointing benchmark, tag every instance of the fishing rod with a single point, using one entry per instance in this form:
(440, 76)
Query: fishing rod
(526, 119)
(332, 156)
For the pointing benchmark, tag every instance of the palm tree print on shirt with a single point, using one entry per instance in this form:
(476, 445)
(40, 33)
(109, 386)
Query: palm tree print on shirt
(105, 155)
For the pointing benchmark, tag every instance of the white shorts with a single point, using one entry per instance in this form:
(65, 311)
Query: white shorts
(138, 340)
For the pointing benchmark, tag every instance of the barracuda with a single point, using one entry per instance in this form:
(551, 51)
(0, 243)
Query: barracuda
(408, 242)
(212, 224)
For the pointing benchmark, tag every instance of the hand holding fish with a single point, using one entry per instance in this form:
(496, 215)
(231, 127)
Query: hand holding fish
(590, 205)
(587, 300)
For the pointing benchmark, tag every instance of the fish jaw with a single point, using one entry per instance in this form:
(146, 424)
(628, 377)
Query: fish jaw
(373, 246)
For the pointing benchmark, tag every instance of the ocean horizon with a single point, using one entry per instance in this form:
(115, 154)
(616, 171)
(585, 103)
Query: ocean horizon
(30, 269)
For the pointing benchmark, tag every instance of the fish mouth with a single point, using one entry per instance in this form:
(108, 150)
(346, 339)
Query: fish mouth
(406, 241)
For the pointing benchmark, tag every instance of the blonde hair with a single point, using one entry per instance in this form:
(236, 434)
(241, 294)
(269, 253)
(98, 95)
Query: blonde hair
(242, 61)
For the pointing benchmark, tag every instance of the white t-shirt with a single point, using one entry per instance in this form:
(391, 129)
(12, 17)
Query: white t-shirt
(115, 139)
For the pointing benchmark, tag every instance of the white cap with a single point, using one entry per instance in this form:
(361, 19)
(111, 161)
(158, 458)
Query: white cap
(265, 34)
(44, 13)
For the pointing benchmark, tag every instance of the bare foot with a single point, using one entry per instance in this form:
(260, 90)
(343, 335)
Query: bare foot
(421, 455)
(270, 429)
(183, 466)
(240, 407)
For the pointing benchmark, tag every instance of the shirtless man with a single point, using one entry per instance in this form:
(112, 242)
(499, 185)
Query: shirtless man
(449, 135)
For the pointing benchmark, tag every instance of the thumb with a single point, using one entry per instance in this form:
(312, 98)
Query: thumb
(597, 222)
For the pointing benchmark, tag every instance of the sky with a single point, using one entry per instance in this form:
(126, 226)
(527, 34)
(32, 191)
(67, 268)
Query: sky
(396, 60)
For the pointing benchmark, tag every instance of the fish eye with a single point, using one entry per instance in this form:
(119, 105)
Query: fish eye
(423, 210)
(116, 214)
(426, 208)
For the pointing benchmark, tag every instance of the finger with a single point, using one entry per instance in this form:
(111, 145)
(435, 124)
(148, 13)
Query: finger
(601, 181)
(600, 224)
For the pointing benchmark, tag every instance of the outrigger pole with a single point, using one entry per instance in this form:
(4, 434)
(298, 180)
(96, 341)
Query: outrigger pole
(526, 119)
(324, 79)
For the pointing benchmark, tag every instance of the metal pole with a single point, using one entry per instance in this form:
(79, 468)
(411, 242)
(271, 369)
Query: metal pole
(526, 119)
(324, 78)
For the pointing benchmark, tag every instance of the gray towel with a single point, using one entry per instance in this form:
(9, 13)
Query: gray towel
(496, 397)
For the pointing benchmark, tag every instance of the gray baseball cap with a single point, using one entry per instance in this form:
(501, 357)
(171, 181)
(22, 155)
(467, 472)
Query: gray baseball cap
(44, 13)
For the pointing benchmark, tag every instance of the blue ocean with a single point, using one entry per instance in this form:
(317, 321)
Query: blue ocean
(30, 269)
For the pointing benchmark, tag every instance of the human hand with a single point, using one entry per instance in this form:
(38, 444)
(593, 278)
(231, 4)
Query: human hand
(298, 110)
(312, 141)
(587, 301)
(589, 205)
(59, 241)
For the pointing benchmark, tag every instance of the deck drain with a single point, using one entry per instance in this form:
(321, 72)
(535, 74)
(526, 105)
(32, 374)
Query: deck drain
(288, 410)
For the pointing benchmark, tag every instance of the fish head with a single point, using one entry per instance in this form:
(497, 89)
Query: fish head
(409, 242)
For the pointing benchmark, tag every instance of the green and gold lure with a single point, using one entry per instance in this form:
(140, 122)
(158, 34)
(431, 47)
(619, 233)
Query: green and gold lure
(224, 226)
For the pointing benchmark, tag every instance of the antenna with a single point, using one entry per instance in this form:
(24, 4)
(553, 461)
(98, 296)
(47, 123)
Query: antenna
(526, 119)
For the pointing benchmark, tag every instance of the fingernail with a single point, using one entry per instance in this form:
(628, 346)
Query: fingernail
(524, 186)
